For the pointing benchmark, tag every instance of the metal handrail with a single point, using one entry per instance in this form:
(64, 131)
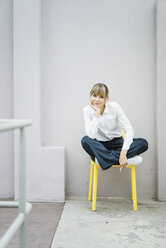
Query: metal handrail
(24, 207)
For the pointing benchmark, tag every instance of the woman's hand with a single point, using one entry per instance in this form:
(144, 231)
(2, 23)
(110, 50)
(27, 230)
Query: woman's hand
(97, 110)
(123, 159)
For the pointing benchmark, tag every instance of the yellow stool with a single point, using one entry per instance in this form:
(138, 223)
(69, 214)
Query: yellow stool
(94, 175)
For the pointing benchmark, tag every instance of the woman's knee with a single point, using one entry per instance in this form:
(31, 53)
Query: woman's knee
(144, 144)
(84, 140)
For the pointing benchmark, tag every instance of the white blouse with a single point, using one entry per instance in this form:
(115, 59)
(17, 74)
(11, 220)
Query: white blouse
(109, 125)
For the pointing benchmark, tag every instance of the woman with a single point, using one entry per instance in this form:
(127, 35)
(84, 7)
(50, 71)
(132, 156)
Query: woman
(104, 122)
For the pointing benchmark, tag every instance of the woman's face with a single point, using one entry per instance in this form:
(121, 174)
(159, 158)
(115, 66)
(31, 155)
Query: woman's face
(98, 101)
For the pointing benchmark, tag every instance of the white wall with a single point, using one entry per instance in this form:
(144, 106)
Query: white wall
(84, 42)
(61, 49)
(6, 98)
(45, 164)
(161, 96)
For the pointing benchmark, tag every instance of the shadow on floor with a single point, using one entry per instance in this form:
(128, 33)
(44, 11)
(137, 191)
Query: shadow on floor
(41, 224)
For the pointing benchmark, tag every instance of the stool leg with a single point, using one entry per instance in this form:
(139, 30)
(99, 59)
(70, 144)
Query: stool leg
(134, 188)
(131, 184)
(94, 187)
(90, 181)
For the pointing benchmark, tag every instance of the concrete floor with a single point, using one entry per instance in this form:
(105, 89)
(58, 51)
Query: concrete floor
(40, 227)
(114, 224)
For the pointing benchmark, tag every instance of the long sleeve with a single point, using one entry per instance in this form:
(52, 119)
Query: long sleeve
(126, 126)
(91, 123)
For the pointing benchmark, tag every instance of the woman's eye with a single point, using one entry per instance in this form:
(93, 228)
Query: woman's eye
(94, 95)
(102, 97)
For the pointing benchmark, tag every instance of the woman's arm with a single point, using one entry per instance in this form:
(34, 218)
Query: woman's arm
(91, 122)
(129, 134)
(123, 158)
(126, 126)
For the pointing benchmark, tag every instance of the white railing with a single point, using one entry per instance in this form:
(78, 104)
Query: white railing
(24, 207)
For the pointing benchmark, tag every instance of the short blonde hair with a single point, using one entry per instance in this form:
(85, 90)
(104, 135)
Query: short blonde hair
(100, 90)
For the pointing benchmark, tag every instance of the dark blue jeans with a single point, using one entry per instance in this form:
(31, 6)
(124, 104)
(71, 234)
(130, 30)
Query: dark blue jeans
(108, 152)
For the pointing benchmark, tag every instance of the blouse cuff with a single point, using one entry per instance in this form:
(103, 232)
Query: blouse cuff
(125, 147)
